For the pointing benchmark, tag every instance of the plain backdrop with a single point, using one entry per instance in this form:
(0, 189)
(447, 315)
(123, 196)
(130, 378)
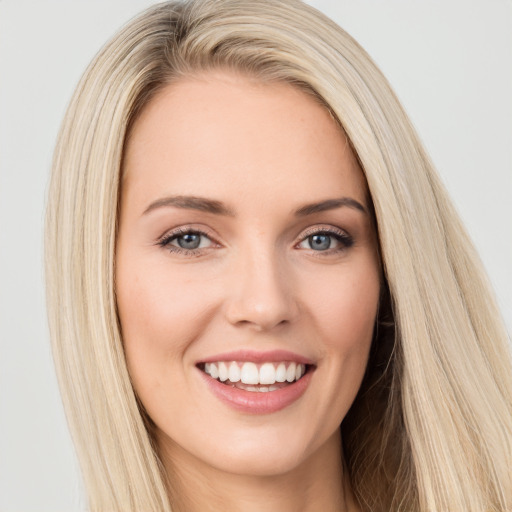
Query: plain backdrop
(450, 62)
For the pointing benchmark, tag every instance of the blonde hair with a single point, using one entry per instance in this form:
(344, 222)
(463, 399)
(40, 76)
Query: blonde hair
(431, 428)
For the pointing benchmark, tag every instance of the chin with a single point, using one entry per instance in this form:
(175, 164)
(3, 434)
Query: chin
(264, 451)
(268, 460)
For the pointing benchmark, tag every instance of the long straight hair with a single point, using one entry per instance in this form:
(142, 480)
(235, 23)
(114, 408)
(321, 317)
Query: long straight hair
(431, 427)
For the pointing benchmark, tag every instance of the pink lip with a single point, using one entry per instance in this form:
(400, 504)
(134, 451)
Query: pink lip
(273, 356)
(254, 402)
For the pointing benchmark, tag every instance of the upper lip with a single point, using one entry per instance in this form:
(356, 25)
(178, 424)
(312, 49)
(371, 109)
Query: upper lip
(271, 356)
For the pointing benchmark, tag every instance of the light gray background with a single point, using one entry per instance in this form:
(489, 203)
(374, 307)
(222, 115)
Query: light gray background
(450, 62)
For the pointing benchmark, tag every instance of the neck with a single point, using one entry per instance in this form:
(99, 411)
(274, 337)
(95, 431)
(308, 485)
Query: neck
(319, 483)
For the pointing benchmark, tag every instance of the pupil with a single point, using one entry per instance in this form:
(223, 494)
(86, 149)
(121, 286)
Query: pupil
(189, 241)
(320, 242)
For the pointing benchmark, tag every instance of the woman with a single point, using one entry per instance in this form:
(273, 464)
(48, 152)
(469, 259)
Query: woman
(175, 266)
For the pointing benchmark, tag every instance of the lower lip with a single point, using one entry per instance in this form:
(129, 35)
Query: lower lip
(258, 402)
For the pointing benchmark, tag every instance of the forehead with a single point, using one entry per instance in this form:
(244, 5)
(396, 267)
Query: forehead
(221, 133)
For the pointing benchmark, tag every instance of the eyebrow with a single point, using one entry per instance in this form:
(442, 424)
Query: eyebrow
(330, 204)
(216, 207)
(191, 203)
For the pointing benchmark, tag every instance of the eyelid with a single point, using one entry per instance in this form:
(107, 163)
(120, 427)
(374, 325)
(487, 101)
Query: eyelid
(186, 228)
(328, 229)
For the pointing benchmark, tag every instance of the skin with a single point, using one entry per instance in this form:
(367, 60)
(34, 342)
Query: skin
(263, 151)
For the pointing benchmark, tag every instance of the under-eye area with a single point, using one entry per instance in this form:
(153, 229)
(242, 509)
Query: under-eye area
(256, 377)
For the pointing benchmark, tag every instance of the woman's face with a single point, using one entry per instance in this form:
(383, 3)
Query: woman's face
(245, 251)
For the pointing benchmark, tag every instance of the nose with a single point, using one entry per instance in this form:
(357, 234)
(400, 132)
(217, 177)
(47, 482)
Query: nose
(260, 294)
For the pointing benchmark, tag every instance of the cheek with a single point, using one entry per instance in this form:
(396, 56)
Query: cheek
(160, 316)
(346, 309)
(344, 315)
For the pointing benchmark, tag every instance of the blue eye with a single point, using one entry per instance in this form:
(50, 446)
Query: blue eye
(320, 242)
(186, 241)
(327, 241)
(189, 241)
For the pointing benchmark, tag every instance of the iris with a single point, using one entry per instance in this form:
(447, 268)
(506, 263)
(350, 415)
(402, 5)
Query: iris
(189, 240)
(319, 242)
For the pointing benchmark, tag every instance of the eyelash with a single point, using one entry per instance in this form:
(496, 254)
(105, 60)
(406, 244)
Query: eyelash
(165, 241)
(345, 240)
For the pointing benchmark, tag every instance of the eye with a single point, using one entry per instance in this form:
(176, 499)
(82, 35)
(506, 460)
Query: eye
(319, 242)
(186, 240)
(326, 241)
(189, 241)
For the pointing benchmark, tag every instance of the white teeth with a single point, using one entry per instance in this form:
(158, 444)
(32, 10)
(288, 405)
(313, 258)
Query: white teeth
(234, 372)
(223, 372)
(290, 372)
(249, 374)
(281, 373)
(267, 374)
(214, 371)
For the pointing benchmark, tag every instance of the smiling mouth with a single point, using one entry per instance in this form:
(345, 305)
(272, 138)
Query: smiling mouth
(255, 377)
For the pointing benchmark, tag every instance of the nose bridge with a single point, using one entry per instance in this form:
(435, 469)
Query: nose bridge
(261, 293)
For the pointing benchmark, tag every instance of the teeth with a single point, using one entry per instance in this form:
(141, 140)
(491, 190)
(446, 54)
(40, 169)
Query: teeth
(281, 373)
(223, 372)
(234, 372)
(248, 373)
(267, 374)
(214, 371)
(290, 372)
